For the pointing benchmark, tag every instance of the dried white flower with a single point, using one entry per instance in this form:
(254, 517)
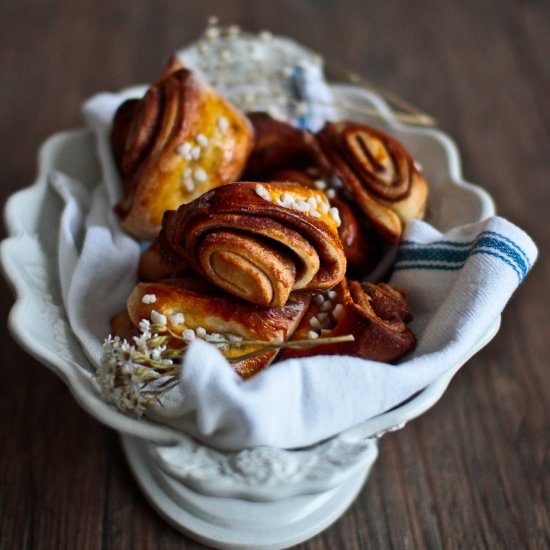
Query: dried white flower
(212, 33)
(133, 377)
(266, 36)
(144, 325)
(120, 376)
(156, 353)
(233, 31)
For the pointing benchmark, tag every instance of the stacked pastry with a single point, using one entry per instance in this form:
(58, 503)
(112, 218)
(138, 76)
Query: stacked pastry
(282, 256)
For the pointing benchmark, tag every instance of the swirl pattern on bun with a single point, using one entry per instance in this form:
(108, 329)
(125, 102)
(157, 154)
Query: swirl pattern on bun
(378, 173)
(177, 142)
(260, 241)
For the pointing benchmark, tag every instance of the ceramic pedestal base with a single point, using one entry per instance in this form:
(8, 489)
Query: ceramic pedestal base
(235, 523)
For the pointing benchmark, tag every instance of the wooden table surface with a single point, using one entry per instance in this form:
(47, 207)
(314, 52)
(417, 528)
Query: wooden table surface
(471, 473)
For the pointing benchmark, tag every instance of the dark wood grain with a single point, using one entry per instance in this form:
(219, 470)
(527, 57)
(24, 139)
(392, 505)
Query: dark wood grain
(471, 473)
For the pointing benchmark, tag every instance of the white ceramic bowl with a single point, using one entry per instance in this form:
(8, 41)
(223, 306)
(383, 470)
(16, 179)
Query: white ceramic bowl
(38, 322)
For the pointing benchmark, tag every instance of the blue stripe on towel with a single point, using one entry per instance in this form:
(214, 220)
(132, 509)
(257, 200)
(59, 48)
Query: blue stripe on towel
(515, 245)
(437, 267)
(415, 255)
(520, 275)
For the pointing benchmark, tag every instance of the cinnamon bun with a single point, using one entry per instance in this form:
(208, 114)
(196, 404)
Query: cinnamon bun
(375, 314)
(260, 241)
(180, 140)
(377, 171)
(192, 308)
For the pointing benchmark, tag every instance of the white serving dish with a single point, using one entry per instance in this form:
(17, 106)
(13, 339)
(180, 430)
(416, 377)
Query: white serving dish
(292, 494)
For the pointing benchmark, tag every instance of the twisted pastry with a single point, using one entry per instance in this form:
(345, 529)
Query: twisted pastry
(376, 315)
(122, 326)
(193, 309)
(277, 145)
(159, 262)
(360, 248)
(360, 245)
(180, 140)
(260, 241)
(377, 171)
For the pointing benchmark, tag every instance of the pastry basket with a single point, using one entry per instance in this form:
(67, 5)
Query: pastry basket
(262, 497)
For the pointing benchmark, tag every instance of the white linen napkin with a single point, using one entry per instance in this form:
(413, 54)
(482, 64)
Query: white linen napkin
(97, 262)
(457, 285)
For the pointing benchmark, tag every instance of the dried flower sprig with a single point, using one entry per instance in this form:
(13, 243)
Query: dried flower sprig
(136, 376)
(401, 109)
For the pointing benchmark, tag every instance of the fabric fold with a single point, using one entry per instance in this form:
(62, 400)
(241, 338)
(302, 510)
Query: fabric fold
(299, 402)
(457, 284)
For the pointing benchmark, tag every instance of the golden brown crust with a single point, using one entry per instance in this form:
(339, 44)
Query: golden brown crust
(361, 244)
(376, 315)
(304, 177)
(203, 305)
(180, 140)
(122, 326)
(248, 267)
(277, 145)
(159, 262)
(121, 126)
(377, 171)
(253, 246)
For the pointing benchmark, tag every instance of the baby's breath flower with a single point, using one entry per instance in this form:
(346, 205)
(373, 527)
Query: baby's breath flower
(129, 374)
(133, 377)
